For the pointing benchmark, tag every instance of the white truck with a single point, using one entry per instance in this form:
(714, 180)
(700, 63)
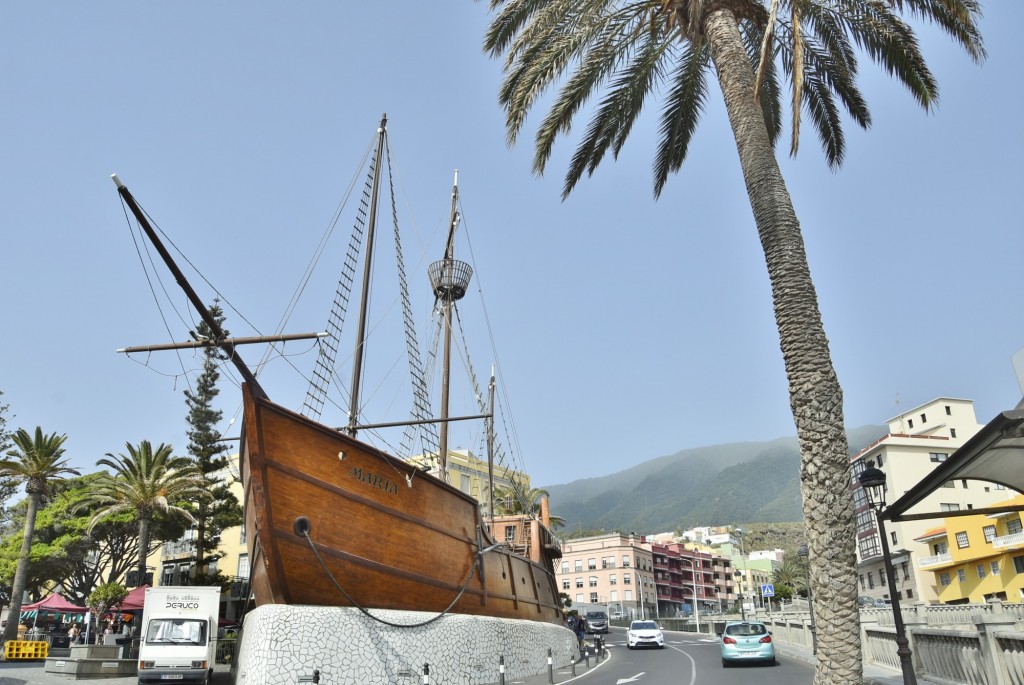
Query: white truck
(178, 642)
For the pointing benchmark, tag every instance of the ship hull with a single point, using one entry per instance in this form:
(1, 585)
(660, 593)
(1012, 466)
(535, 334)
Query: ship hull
(381, 533)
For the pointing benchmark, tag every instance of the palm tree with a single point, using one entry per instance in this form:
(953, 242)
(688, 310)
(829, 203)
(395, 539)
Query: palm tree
(37, 460)
(620, 51)
(145, 481)
(517, 499)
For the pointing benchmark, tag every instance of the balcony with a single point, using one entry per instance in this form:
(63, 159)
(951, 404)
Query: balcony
(937, 560)
(1011, 540)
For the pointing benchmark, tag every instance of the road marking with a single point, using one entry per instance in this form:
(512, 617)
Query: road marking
(629, 680)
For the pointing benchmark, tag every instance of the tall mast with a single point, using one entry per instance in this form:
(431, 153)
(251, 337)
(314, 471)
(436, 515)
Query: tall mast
(200, 307)
(490, 449)
(357, 362)
(449, 278)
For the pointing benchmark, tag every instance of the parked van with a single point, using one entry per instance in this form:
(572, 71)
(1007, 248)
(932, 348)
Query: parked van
(178, 640)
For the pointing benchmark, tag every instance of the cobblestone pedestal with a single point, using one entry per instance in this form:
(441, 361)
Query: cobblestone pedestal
(283, 645)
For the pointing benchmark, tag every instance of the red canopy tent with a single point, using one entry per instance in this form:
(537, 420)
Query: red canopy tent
(134, 601)
(54, 603)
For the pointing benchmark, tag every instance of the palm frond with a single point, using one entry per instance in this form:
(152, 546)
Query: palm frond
(681, 113)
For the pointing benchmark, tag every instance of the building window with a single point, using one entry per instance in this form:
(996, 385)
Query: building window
(612, 580)
(881, 460)
(938, 456)
(579, 582)
(1013, 526)
(961, 540)
(863, 583)
(579, 598)
(615, 596)
(565, 567)
(994, 568)
(990, 533)
(1018, 564)
(593, 581)
(963, 483)
(241, 535)
(910, 422)
(981, 571)
(952, 432)
(627, 579)
(944, 579)
(625, 561)
(910, 594)
(924, 418)
(945, 506)
(893, 536)
(949, 412)
(881, 577)
(869, 547)
(871, 580)
(592, 564)
(593, 598)
(629, 596)
(906, 571)
(961, 575)
(579, 565)
(941, 547)
(510, 534)
(565, 583)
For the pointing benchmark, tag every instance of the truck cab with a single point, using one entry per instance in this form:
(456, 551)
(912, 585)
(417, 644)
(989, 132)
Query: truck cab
(178, 641)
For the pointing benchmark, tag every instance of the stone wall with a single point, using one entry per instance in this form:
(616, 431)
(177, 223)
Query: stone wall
(282, 645)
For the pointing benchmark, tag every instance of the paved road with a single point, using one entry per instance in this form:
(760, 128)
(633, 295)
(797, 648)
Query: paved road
(791, 659)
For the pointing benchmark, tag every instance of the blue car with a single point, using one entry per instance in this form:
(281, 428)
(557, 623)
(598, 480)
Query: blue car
(747, 641)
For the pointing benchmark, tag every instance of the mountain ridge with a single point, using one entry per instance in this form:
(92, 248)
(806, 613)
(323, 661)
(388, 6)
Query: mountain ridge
(712, 485)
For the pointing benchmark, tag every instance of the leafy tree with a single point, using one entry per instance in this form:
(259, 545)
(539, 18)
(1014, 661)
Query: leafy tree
(36, 460)
(220, 511)
(104, 597)
(620, 52)
(145, 481)
(8, 485)
(64, 552)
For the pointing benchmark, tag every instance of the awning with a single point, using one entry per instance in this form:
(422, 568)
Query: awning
(995, 454)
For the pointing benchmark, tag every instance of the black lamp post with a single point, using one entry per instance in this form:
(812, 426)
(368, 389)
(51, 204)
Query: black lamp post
(739, 579)
(802, 551)
(873, 482)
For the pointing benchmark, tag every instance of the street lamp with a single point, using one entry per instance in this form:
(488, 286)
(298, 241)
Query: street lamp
(640, 587)
(693, 569)
(802, 551)
(873, 482)
(739, 579)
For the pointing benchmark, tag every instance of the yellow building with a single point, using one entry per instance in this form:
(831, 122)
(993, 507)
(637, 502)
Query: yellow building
(977, 558)
(470, 474)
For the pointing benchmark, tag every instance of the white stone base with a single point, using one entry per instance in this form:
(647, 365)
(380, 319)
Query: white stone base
(281, 644)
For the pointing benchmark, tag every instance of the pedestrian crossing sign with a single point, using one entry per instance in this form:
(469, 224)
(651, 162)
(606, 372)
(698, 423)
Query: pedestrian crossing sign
(767, 590)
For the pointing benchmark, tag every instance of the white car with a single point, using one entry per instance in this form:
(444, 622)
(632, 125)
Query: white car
(644, 634)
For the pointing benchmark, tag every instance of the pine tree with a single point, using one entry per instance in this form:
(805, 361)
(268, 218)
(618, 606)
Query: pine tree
(210, 456)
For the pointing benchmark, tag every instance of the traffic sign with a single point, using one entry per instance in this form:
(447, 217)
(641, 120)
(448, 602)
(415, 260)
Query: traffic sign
(767, 590)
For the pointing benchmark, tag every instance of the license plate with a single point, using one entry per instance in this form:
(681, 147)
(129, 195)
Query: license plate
(171, 676)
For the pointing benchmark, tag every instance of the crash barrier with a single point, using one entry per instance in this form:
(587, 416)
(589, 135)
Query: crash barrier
(968, 644)
(26, 650)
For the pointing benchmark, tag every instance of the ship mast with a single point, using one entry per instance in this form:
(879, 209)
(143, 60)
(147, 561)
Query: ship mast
(357, 362)
(449, 278)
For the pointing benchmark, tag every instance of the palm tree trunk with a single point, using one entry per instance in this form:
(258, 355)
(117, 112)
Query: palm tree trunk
(21, 572)
(815, 396)
(143, 548)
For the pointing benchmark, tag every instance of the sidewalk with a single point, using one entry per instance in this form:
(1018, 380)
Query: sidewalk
(873, 675)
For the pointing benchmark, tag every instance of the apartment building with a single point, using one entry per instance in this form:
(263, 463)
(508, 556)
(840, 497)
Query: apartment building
(471, 475)
(977, 558)
(917, 441)
(612, 573)
(688, 577)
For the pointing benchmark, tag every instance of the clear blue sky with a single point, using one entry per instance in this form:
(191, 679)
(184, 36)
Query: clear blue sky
(627, 329)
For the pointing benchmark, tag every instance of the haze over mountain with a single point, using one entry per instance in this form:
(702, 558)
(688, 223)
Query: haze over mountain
(703, 486)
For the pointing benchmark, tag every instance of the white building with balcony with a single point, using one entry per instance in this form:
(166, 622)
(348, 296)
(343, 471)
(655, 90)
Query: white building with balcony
(918, 440)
